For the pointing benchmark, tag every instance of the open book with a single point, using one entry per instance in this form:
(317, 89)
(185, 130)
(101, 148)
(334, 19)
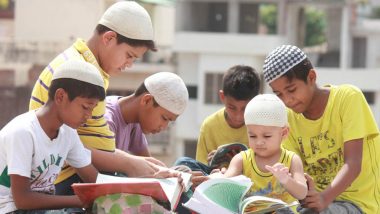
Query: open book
(163, 190)
(227, 196)
(225, 153)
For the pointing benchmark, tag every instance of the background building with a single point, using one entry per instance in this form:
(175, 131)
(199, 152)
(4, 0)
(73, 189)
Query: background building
(199, 40)
(224, 33)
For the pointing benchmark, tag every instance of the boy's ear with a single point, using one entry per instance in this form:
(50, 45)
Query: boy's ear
(108, 36)
(60, 95)
(146, 99)
(285, 132)
(221, 95)
(312, 76)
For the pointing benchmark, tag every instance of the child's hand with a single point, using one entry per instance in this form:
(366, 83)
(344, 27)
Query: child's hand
(314, 199)
(197, 178)
(222, 170)
(279, 171)
(163, 172)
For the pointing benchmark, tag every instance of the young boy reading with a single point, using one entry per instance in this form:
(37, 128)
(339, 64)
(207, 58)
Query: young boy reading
(334, 132)
(35, 145)
(123, 34)
(240, 84)
(274, 171)
(159, 100)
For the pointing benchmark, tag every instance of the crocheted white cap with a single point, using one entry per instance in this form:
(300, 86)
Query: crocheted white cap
(281, 60)
(128, 19)
(169, 91)
(266, 110)
(79, 70)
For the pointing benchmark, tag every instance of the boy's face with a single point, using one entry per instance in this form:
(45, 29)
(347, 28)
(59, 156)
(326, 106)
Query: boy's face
(265, 141)
(295, 93)
(234, 112)
(154, 119)
(76, 112)
(115, 58)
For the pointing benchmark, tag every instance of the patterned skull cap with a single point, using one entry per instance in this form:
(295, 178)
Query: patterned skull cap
(281, 60)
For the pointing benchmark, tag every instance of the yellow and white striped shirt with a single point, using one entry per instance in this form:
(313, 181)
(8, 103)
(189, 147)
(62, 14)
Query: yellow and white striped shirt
(95, 133)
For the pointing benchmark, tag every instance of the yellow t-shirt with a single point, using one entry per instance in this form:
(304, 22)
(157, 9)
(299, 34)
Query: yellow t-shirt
(215, 132)
(264, 183)
(95, 133)
(320, 144)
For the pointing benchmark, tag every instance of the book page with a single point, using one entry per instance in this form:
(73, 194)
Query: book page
(262, 204)
(220, 195)
(167, 189)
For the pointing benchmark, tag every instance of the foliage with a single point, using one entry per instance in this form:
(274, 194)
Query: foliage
(315, 23)
(315, 27)
(268, 17)
(375, 13)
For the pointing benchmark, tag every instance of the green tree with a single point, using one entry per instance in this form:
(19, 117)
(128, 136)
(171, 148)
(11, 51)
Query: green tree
(315, 27)
(268, 17)
(375, 14)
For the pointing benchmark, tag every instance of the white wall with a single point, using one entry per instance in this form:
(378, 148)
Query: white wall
(56, 20)
(6, 28)
(164, 23)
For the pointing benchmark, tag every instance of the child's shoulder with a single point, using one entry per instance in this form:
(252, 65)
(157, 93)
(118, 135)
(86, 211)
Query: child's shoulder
(346, 89)
(214, 118)
(21, 121)
(19, 127)
(345, 93)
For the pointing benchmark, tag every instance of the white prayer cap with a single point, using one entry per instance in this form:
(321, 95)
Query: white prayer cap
(128, 19)
(79, 70)
(266, 110)
(169, 91)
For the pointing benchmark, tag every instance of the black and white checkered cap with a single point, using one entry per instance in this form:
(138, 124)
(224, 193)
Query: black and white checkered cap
(281, 60)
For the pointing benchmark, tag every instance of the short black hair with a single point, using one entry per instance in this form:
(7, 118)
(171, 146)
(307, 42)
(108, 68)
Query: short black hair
(299, 71)
(100, 29)
(141, 90)
(241, 82)
(76, 88)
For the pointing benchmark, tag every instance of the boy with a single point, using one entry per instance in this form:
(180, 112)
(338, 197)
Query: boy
(123, 34)
(160, 99)
(240, 84)
(34, 145)
(276, 172)
(334, 132)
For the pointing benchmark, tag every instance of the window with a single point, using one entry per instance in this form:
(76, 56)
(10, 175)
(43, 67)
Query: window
(190, 148)
(209, 16)
(213, 84)
(193, 91)
(160, 141)
(258, 18)
(359, 52)
(369, 96)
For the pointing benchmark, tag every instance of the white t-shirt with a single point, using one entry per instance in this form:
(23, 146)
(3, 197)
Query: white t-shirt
(26, 150)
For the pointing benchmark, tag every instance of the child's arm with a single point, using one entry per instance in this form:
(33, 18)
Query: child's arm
(294, 181)
(120, 161)
(201, 153)
(235, 168)
(143, 152)
(88, 174)
(26, 199)
(347, 174)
